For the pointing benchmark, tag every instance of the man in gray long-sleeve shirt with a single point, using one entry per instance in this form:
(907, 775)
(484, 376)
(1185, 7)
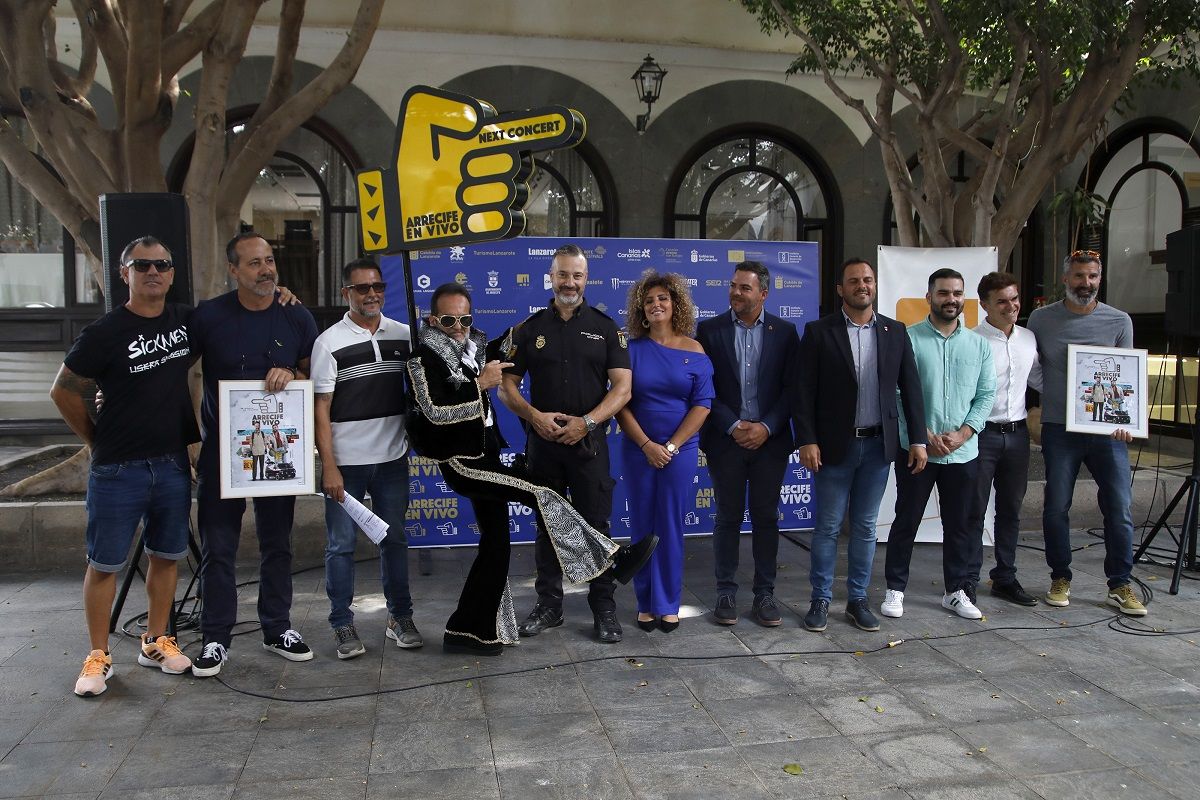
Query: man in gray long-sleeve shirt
(1079, 318)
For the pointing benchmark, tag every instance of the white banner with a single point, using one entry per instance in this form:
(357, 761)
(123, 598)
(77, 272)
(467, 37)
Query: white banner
(903, 283)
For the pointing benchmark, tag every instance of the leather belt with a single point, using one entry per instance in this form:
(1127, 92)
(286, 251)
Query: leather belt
(868, 432)
(1006, 427)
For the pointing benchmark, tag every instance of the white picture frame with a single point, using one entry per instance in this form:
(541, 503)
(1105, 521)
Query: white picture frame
(1107, 390)
(285, 419)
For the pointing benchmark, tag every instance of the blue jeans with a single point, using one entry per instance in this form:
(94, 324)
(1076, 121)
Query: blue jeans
(388, 485)
(1108, 461)
(119, 496)
(858, 481)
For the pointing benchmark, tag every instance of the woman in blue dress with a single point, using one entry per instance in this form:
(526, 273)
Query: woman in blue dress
(672, 394)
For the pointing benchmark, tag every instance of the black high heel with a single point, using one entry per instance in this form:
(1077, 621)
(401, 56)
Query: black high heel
(667, 627)
(647, 624)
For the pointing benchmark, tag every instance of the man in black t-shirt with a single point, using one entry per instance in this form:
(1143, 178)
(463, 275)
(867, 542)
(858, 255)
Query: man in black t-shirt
(138, 355)
(245, 335)
(578, 365)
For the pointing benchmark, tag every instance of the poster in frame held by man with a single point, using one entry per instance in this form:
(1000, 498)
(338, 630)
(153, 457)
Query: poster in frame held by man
(267, 439)
(1106, 390)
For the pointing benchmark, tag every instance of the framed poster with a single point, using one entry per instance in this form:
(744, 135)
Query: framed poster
(267, 439)
(1106, 390)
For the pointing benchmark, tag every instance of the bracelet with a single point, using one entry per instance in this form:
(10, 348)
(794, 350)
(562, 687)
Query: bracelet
(643, 447)
(291, 370)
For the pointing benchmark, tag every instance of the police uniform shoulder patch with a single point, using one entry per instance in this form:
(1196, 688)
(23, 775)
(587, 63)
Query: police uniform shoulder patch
(622, 339)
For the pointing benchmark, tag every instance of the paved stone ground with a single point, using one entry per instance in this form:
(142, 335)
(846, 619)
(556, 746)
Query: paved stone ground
(1025, 704)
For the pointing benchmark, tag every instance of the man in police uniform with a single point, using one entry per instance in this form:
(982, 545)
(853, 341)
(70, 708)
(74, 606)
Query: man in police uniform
(579, 375)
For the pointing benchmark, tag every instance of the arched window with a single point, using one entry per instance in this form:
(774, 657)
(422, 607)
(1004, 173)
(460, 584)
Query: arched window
(1139, 174)
(568, 196)
(756, 185)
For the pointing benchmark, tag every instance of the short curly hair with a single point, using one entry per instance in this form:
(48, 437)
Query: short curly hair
(683, 310)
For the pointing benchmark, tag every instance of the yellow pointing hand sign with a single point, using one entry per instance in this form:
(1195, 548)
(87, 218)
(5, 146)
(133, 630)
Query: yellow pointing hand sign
(460, 171)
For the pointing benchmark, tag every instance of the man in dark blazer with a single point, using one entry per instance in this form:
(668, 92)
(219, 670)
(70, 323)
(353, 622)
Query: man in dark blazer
(747, 437)
(851, 364)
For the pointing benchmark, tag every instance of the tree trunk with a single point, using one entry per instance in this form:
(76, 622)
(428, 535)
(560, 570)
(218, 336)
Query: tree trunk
(65, 477)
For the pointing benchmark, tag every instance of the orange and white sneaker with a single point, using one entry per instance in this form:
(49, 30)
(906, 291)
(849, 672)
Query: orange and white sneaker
(97, 669)
(164, 654)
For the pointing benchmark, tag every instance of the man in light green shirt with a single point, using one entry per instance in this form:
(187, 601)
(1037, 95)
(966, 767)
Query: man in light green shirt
(958, 382)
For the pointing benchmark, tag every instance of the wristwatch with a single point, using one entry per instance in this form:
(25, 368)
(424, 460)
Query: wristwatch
(671, 448)
(589, 423)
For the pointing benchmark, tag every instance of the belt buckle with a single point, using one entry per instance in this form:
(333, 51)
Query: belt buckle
(865, 432)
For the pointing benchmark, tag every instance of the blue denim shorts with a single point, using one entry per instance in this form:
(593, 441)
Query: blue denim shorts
(120, 496)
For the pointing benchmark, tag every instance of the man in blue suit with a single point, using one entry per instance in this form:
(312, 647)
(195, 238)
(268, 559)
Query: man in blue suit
(747, 437)
(852, 362)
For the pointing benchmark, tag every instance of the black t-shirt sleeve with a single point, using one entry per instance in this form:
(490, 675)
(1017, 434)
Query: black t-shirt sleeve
(90, 354)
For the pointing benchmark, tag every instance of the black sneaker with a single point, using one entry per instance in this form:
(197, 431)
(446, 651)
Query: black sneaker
(1014, 593)
(860, 614)
(817, 617)
(211, 658)
(725, 612)
(766, 611)
(290, 645)
(541, 618)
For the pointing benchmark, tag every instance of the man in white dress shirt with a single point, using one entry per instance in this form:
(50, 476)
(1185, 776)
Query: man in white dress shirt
(1004, 441)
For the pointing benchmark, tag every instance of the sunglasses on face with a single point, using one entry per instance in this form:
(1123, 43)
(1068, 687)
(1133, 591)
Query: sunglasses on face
(379, 287)
(144, 264)
(448, 320)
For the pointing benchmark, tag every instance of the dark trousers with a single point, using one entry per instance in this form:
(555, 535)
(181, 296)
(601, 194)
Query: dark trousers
(586, 482)
(738, 473)
(1004, 461)
(220, 531)
(479, 601)
(956, 487)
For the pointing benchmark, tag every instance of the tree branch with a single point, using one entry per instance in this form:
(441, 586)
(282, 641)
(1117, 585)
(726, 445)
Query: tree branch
(279, 87)
(98, 17)
(182, 46)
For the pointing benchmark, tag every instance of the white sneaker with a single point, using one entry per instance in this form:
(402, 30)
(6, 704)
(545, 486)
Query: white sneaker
(893, 604)
(960, 604)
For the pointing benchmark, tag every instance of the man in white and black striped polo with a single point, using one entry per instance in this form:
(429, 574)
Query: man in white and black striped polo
(358, 382)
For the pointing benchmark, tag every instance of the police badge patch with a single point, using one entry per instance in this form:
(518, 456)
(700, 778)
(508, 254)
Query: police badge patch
(622, 339)
(539, 342)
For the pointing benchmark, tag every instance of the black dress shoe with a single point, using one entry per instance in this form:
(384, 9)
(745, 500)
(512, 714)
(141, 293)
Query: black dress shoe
(631, 558)
(647, 624)
(1014, 593)
(859, 612)
(667, 627)
(458, 643)
(541, 618)
(608, 629)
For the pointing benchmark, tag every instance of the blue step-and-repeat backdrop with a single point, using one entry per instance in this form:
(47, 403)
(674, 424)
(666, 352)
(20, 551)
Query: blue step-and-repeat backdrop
(509, 280)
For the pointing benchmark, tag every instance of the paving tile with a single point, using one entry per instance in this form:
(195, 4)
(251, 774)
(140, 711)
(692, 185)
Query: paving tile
(566, 779)
(1145, 687)
(1034, 747)
(671, 729)
(316, 750)
(1177, 779)
(990, 654)
(823, 674)
(853, 713)
(1057, 693)
(430, 745)
(458, 700)
(331, 788)
(190, 760)
(343, 711)
(915, 661)
(1182, 718)
(831, 766)
(48, 768)
(544, 692)
(722, 681)
(768, 718)
(991, 790)
(104, 717)
(201, 706)
(929, 758)
(702, 774)
(964, 701)
(1131, 739)
(636, 688)
(476, 783)
(546, 737)
(1115, 783)
(211, 792)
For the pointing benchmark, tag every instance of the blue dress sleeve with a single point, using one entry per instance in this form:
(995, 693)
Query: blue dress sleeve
(702, 385)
